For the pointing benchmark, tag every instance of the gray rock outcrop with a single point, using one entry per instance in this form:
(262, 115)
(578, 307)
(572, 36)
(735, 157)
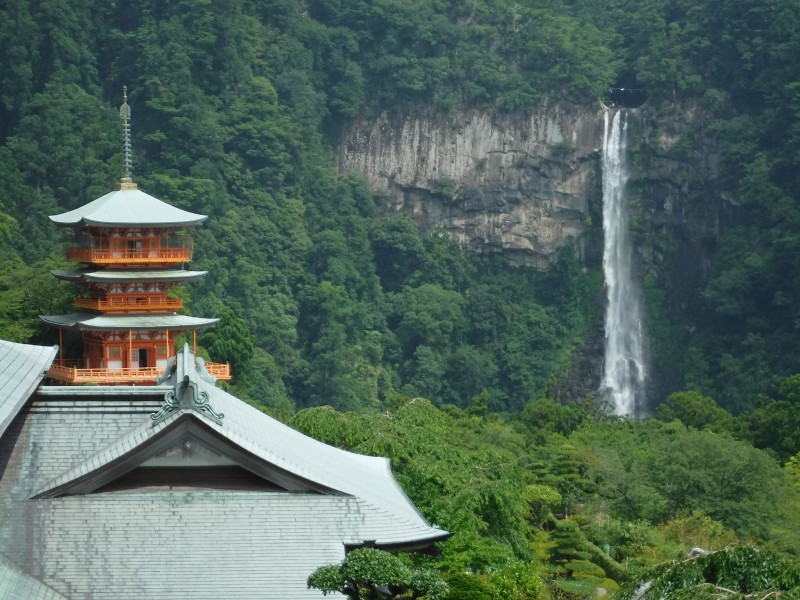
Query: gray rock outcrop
(495, 183)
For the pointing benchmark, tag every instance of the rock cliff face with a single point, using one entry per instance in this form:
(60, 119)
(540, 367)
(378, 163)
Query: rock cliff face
(677, 198)
(506, 184)
(524, 185)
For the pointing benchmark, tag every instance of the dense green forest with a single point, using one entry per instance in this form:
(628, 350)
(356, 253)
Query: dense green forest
(445, 361)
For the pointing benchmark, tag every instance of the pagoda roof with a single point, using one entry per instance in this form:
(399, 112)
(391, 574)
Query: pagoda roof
(95, 322)
(93, 274)
(80, 458)
(128, 207)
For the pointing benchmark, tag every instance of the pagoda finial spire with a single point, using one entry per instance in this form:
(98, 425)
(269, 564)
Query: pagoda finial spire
(127, 161)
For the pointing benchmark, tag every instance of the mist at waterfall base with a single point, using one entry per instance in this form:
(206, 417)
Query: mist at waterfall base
(624, 365)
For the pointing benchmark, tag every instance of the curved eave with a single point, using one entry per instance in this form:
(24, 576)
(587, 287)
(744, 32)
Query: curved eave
(366, 477)
(93, 322)
(128, 208)
(133, 223)
(118, 276)
(420, 544)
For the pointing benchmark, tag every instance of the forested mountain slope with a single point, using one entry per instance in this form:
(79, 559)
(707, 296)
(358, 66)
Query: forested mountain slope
(237, 107)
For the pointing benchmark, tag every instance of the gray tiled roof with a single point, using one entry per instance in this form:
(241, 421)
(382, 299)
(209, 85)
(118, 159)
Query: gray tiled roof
(128, 207)
(22, 368)
(92, 321)
(92, 274)
(17, 585)
(174, 542)
(183, 544)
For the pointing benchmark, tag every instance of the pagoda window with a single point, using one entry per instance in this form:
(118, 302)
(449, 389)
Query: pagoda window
(117, 245)
(114, 360)
(139, 358)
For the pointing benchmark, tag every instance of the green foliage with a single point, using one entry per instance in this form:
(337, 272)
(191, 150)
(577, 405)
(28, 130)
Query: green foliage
(429, 315)
(398, 251)
(571, 554)
(639, 545)
(793, 469)
(647, 492)
(542, 499)
(445, 187)
(568, 545)
(488, 52)
(451, 467)
(236, 104)
(545, 416)
(364, 570)
(775, 425)
(698, 411)
(467, 587)
(734, 572)
(517, 580)
(697, 530)
(654, 472)
(27, 291)
(230, 341)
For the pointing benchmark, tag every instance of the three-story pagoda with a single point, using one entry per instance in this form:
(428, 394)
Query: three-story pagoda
(134, 249)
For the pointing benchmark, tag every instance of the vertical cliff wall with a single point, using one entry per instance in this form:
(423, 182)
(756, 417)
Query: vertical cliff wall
(679, 202)
(506, 184)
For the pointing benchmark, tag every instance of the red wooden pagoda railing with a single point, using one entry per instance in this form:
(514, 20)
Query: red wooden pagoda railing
(100, 376)
(138, 256)
(149, 303)
(147, 375)
(222, 371)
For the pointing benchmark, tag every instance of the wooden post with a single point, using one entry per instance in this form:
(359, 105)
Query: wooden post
(166, 331)
(130, 349)
(60, 347)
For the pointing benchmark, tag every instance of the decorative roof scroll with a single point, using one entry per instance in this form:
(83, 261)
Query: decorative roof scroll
(188, 374)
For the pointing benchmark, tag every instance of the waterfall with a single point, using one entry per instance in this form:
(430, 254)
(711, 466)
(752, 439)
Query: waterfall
(623, 383)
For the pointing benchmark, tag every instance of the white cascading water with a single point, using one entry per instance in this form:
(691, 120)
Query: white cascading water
(623, 383)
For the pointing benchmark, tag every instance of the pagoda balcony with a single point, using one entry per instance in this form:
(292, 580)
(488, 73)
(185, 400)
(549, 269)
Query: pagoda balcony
(68, 373)
(143, 256)
(139, 303)
(222, 371)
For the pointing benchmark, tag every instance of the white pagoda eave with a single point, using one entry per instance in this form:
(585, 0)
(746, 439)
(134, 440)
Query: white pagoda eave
(94, 322)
